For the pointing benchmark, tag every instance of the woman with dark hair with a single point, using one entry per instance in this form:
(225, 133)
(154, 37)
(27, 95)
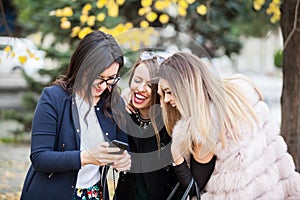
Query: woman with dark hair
(151, 176)
(73, 124)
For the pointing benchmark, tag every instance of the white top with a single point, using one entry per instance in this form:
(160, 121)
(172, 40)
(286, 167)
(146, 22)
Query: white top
(91, 135)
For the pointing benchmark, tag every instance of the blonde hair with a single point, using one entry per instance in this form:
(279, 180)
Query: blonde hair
(197, 90)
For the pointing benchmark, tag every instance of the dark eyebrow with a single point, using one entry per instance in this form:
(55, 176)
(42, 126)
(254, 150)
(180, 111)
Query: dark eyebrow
(166, 88)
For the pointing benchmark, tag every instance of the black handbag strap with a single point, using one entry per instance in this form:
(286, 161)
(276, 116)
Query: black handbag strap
(186, 193)
(173, 191)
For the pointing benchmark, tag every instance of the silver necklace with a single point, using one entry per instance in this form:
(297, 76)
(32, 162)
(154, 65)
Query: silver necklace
(142, 122)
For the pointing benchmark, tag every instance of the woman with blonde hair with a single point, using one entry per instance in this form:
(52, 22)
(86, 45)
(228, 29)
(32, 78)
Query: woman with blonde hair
(223, 121)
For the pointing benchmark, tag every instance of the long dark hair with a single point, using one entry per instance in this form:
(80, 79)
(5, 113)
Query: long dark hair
(95, 53)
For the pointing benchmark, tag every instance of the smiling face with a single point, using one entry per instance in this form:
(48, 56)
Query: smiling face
(103, 81)
(140, 87)
(166, 95)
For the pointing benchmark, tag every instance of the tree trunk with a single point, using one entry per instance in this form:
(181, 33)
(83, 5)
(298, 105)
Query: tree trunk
(290, 99)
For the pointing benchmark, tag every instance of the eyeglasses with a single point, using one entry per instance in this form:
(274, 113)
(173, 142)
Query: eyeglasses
(147, 55)
(110, 81)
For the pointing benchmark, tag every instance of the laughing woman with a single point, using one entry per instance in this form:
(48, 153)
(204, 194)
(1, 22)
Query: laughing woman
(151, 176)
(223, 121)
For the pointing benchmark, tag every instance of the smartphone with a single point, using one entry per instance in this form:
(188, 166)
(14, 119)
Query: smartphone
(122, 145)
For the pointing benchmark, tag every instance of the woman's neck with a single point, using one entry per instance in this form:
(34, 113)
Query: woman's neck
(95, 99)
(144, 113)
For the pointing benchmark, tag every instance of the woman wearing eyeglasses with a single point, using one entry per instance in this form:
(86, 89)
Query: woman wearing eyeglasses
(151, 176)
(73, 124)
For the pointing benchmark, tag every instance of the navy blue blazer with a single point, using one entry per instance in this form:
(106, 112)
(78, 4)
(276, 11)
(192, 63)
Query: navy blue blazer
(55, 145)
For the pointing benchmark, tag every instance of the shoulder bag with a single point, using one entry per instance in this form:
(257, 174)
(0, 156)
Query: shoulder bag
(186, 193)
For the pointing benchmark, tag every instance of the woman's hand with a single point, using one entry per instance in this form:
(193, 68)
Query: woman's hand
(126, 95)
(177, 147)
(124, 163)
(176, 154)
(101, 155)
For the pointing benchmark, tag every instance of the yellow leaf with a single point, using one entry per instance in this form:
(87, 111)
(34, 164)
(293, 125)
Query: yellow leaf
(151, 17)
(273, 20)
(22, 59)
(83, 32)
(146, 3)
(100, 3)
(201, 9)
(181, 12)
(75, 31)
(59, 13)
(256, 5)
(91, 20)
(160, 5)
(101, 17)
(183, 4)
(143, 11)
(67, 11)
(7, 49)
(83, 18)
(144, 24)
(113, 10)
(87, 7)
(128, 25)
(63, 19)
(65, 25)
(190, 1)
(277, 2)
(13, 54)
(261, 2)
(120, 2)
(163, 18)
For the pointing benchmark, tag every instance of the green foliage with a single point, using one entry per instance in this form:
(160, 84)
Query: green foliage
(23, 117)
(278, 59)
(220, 28)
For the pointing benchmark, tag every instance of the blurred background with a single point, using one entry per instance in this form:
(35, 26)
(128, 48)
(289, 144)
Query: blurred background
(37, 38)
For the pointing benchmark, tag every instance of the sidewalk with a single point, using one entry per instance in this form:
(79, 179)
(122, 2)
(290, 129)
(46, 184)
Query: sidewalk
(14, 163)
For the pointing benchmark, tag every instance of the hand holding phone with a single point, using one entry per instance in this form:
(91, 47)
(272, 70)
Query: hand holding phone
(122, 145)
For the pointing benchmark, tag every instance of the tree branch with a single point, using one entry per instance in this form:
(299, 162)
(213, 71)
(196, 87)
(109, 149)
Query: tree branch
(294, 25)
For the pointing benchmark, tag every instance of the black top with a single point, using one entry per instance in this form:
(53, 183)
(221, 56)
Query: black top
(201, 173)
(151, 176)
